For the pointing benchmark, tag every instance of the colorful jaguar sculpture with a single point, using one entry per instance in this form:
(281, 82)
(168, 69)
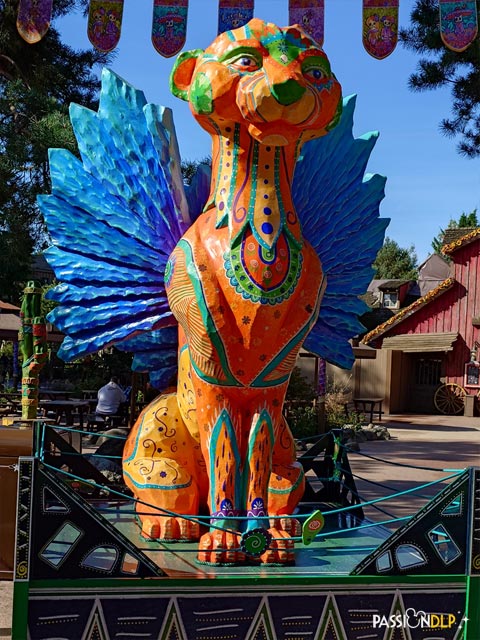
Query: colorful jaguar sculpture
(250, 270)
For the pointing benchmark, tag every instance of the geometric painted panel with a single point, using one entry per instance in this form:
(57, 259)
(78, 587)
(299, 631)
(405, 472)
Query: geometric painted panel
(210, 614)
(57, 618)
(143, 618)
(300, 616)
(432, 542)
(201, 616)
(71, 539)
(356, 611)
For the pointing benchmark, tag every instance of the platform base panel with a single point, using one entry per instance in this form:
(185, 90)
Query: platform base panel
(351, 610)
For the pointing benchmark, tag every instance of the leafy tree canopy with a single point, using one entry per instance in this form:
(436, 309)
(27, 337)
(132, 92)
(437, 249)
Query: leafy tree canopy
(190, 167)
(394, 262)
(441, 67)
(37, 84)
(464, 221)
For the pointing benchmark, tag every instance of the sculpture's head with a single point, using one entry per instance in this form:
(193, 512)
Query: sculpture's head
(278, 82)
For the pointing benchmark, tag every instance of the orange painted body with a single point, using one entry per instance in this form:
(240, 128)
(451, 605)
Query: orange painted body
(245, 288)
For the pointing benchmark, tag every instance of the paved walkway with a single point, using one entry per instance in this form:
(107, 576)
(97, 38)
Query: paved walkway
(421, 442)
(423, 449)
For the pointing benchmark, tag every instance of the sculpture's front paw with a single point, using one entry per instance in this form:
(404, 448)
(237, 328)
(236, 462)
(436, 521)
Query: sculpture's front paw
(291, 525)
(169, 528)
(281, 548)
(220, 548)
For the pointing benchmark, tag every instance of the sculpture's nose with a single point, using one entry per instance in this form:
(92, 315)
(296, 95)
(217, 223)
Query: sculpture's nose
(287, 92)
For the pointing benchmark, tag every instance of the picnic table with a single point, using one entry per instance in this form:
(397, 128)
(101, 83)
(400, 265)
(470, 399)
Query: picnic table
(368, 406)
(55, 394)
(10, 399)
(65, 408)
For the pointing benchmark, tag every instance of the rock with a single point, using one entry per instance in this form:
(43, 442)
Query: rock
(352, 445)
(382, 433)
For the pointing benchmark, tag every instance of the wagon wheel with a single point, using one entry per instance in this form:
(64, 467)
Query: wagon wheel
(449, 399)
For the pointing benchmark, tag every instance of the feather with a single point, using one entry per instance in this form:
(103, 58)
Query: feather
(338, 206)
(114, 218)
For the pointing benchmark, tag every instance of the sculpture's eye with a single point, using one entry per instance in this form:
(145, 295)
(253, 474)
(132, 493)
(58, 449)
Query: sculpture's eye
(246, 62)
(314, 73)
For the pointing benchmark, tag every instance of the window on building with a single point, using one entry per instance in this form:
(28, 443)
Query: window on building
(428, 371)
(390, 299)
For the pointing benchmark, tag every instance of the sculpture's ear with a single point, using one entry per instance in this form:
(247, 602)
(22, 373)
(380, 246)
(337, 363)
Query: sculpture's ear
(182, 73)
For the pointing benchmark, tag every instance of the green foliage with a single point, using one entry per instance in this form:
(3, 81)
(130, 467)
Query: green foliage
(91, 372)
(48, 305)
(440, 67)
(299, 388)
(189, 168)
(37, 84)
(303, 421)
(464, 222)
(304, 414)
(303, 418)
(394, 262)
(468, 221)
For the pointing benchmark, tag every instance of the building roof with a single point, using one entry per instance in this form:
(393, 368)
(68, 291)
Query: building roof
(421, 342)
(392, 284)
(435, 266)
(8, 307)
(454, 239)
(41, 270)
(406, 312)
(9, 326)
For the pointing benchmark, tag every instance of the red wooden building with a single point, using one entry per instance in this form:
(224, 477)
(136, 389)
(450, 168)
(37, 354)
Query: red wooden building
(434, 342)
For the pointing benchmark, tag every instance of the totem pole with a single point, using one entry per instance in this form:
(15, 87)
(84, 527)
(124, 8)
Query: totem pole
(33, 344)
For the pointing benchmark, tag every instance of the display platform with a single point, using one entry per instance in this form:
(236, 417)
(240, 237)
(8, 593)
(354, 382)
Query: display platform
(83, 571)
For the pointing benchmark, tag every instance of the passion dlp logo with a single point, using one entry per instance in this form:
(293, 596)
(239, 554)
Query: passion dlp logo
(413, 619)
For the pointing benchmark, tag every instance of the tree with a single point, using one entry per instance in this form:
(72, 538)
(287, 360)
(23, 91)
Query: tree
(190, 167)
(393, 262)
(439, 67)
(37, 84)
(464, 222)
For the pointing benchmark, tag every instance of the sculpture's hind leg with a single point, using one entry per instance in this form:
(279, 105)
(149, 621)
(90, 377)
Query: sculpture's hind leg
(163, 466)
(287, 482)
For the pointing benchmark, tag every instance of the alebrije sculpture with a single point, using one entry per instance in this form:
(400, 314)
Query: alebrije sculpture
(251, 269)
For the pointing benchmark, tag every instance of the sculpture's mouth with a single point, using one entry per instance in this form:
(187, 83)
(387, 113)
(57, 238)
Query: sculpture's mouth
(274, 122)
(258, 104)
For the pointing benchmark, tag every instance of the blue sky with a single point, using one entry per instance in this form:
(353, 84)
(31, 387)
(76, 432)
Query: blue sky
(428, 182)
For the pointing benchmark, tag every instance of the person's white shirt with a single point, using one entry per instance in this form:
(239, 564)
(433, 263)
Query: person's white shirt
(109, 398)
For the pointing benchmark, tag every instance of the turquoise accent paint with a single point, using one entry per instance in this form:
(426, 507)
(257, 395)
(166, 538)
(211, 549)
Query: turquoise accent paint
(258, 382)
(223, 421)
(233, 179)
(163, 487)
(290, 489)
(254, 183)
(208, 321)
(139, 431)
(253, 523)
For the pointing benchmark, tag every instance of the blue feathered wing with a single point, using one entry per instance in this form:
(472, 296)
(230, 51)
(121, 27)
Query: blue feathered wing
(338, 205)
(114, 219)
